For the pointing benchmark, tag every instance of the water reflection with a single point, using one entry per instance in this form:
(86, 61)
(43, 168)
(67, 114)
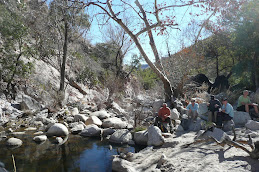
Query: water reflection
(77, 154)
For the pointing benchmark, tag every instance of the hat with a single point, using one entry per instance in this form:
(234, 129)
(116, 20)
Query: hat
(212, 96)
(224, 99)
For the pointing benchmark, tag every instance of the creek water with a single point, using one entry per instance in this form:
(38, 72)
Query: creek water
(80, 154)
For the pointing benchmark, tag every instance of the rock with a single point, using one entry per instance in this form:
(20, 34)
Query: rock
(57, 130)
(119, 164)
(30, 129)
(107, 131)
(40, 139)
(80, 117)
(241, 118)
(38, 123)
(43, 113)
(114, 122)
(141, 137)
(45, 121)
(228, 125)
(179, 128)
(18, 134)
(58, 140)
(157, 105)
(29, 103)
(77, 129)
(74, 111)
(203, 108)
(155, 137)
(175, 114)
(117, 109)
(38, 133)
(69, 119)
(195, 126)
(252, 125)
(101, 114)
(93, 120)
(91, 130)
(121, 136)
(14, 142)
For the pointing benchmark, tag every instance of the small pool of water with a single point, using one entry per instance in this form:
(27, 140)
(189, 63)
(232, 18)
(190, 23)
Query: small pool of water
(77, 154)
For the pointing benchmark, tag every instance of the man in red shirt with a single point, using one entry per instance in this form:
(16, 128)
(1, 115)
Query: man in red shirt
(164, 116)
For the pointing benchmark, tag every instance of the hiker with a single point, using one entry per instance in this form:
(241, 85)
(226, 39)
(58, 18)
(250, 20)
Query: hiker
(225, 114)
(213, 106)
(244, 103)
(192, 110)
(164, 116)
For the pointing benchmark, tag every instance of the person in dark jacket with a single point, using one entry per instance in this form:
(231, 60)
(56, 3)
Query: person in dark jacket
(213, 106)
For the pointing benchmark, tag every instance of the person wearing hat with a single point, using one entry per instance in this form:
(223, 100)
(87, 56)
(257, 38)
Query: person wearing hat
(213, 106)
(192, 110)
(226, 113)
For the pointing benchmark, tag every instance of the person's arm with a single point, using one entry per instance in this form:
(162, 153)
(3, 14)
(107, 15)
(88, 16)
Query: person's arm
(228, 109)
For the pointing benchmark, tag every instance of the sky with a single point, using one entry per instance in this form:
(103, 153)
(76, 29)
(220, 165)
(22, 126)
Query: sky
(176, 38)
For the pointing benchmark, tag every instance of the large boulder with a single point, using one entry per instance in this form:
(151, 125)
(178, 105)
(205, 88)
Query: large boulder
(114, 123)
(203, 108)
(155, 137)
(117, 109)
(108, 131)
(241, 118)
(91, 130)
(157, 105)
(195, 126)
(77, 129)
(252, 125)
(228, 125)
(141, 137)
(175, 114)
(14, 142)
(29, 103)
(93, 120)
(102, 114)
(57, 129)
(80, 117)
(121, 136)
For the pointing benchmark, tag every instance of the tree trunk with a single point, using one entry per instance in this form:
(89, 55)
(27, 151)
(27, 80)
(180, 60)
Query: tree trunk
(217, 65)
(64, 59)
(255, 71)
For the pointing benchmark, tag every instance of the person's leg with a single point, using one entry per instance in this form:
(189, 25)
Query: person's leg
(189, 113)
(195, 115)
(214, 116)
(219, 119)
(210, 117)
(168, 120)
(256, 109)
(241, 108)
(247, 108)
(158, 119)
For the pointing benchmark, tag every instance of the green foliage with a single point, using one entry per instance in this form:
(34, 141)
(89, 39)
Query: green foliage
(140, 128)
(147, 77)
(86, 76)
(15, 45)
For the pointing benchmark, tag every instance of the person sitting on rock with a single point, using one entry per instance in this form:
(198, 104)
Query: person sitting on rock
(225, 114)
(192, 110)
(213, 106)
(244, 103)
(164, 116)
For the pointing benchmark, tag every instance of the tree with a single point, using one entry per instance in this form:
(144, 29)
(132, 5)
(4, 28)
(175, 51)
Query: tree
(149, 19)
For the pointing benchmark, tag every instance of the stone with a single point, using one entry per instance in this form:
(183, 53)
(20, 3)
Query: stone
(40, 139)
(179, 128)
(102, 114)
(58, 140)
(195, 126)
(157, 105)
(80, 117)
(14, 142)
(107, 131)
(45, 120)
(117, 109)
(155, 137)
(18, 134)
(77, 129)
(119, 164)
(69, 119)
(241, 118)
(93, 120)
(30, 129)
(175, 114)
(203, 108)
(121, 136)
(252, 125)
(38, 133)
(28, 103)
(38, 123)
(228, 125)
(91, 130)
(114, 123)
(57, 129)
(74, 111)
(141, 137)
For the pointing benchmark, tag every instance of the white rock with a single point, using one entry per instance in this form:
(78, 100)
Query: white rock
(30, 129)
(80, 117)
(241, 118)
(203, 108)
(74, 111)
(91, 130)
(252, 125)
(14, 142)
(57, 130)
(78, 128)
(40, 138)
(114, 122)
(121, 136)
(93, 120)
(155, 137)
(175, 114)
(102, 114)
(157, 105)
